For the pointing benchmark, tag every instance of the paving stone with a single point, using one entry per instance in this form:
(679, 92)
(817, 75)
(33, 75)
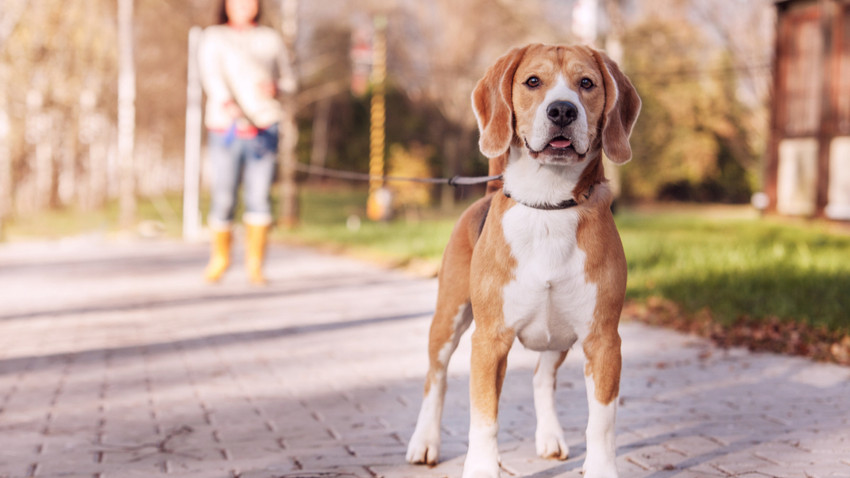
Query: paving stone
(133, 367)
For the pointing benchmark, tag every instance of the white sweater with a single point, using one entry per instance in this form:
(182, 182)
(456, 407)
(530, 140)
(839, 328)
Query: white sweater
(235, 64)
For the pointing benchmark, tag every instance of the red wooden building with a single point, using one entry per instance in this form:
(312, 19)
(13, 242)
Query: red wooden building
(808, 159)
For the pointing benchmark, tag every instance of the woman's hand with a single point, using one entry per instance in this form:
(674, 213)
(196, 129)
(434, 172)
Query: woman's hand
(268, 88)
(233, 110)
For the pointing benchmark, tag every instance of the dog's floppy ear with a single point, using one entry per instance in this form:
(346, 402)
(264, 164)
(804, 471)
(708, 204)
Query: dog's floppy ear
(491, 102)
(622, 105)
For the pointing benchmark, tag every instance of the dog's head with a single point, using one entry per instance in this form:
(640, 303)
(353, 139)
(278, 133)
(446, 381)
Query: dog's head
(560, 103)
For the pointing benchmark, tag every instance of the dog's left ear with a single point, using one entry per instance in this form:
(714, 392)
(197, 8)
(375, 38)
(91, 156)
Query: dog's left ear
(492, 104)
(622, 105)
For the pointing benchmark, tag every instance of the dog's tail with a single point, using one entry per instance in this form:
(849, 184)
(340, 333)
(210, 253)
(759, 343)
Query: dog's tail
(497, 166)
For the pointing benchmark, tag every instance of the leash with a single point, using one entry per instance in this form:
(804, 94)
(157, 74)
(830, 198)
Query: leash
(454, 181)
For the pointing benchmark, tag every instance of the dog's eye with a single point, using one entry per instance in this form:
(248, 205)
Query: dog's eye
(532, 82)
(586, 83)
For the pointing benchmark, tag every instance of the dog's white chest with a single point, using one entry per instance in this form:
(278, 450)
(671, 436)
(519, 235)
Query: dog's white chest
(549, 303)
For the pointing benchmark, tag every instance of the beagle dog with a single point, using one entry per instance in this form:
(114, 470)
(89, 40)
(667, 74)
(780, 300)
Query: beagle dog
(539, 257)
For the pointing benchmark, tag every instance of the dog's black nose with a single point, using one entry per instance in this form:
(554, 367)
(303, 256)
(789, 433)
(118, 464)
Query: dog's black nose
(562, 113)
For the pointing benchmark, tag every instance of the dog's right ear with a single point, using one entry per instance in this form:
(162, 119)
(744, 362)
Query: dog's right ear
(491, 102)
(622, 106)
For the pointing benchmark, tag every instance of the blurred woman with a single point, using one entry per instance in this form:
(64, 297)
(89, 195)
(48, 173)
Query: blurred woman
(242, 66)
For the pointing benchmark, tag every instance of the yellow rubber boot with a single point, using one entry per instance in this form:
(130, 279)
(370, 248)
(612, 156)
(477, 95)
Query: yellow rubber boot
(255, 252)
(219, 256)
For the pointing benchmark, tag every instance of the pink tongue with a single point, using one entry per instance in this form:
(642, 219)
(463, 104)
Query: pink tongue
(560, 143)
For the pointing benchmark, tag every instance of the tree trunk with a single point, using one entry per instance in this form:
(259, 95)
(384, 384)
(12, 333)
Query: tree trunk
(126, 114)
(321, 125)
(288, 127)
(5, 159)
(192, 153)
(98, 168)
(44, 167)
(614, 48)
(35, 187)
(67, 180)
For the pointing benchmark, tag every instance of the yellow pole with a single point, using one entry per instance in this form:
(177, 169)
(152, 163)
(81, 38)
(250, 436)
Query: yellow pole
(376, 206)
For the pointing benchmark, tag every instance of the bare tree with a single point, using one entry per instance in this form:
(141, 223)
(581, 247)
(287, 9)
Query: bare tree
(126, 112)
(288, 127)
(748, 37)
(65, 57)
(450, 34)
(11, 14)
(5, 157)
(9, 18)
(321, 123)
(192, 155)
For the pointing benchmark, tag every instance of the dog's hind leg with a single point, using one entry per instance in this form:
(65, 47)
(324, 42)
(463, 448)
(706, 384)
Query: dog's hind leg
(549, 437)
(446, 330)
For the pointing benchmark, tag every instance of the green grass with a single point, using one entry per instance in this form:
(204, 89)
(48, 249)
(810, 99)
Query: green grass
(325, 215)
(736, 267)
(740, 267)
(162, 213)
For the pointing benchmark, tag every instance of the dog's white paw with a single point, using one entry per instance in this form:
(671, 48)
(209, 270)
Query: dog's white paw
(424, 447)
(480, 474)
(482, 460)
(551, 444)
(599, 468)
(479, 469)
(482, 456)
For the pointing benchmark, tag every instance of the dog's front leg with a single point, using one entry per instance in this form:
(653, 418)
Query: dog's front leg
(549, 438)
(602, 378)
(487, 373)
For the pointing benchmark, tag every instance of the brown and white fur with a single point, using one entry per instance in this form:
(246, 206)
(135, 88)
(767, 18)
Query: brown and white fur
(551, 278)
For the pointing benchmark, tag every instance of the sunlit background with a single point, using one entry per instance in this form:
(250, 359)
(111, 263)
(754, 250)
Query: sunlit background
(703, 69)
(745, 112)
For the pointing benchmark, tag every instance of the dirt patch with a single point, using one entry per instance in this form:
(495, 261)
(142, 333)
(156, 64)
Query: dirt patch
(769, 334)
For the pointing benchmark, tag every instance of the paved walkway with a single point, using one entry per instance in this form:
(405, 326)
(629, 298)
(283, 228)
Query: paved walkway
(117, 361)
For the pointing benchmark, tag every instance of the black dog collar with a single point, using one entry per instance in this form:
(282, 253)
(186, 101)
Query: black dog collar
(552, 207)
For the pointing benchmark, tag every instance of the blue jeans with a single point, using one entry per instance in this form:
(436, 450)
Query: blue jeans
(251, 161)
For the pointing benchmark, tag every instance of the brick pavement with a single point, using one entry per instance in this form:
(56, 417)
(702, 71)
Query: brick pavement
(117, 361)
